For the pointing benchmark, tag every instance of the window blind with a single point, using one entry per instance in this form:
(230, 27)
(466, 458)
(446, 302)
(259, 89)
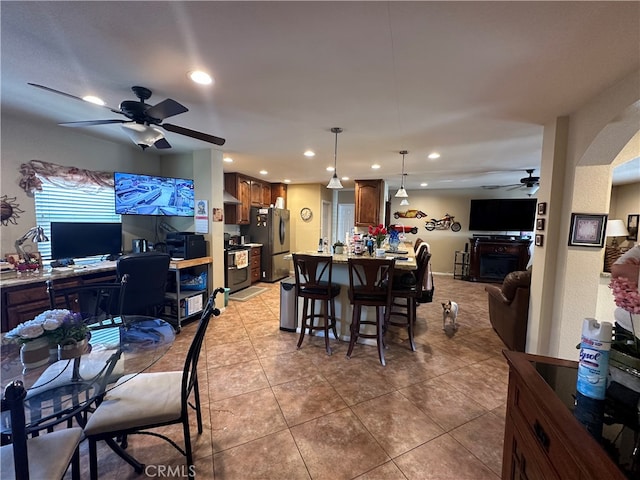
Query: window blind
(67, 201)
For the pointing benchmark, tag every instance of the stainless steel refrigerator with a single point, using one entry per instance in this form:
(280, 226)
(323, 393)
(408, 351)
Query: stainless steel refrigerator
(270, 227)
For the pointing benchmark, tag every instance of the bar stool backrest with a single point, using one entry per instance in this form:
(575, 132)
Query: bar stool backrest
(312, 272)
(370, 278)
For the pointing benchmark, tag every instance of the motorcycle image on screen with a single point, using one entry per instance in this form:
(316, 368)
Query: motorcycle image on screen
(445, 223)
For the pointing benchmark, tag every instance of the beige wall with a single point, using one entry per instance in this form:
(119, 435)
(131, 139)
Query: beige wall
(305, 235)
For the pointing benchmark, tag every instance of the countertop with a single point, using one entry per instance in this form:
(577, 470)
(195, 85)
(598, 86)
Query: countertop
(342, 259)
(11, 279)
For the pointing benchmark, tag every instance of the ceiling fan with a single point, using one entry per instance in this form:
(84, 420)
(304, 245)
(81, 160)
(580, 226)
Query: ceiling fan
(143, 119)
(530, 184)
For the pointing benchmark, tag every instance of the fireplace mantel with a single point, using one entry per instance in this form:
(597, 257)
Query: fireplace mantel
(492, 258)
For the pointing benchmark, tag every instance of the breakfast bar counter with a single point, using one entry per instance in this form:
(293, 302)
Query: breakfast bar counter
(340, 276)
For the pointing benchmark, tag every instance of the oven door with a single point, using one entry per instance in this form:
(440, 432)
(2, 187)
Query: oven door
(237, 270)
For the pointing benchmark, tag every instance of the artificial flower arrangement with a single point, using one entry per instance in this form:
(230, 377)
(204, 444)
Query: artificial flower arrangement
(58, 326)
(625, 294)
(379, 233)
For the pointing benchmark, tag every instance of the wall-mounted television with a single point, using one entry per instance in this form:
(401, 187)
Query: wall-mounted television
(82, 239)
(151, 195)
(508, 214)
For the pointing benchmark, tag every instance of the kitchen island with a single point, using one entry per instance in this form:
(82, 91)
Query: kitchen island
(340, 276)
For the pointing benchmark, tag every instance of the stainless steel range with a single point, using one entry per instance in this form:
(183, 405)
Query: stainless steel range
(237, 268)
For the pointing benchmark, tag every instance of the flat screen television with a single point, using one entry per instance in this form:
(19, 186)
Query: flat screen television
(151, 195)
(508, 214)
(81, 239)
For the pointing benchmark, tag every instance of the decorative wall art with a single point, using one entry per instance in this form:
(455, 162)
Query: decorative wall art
(9, 210)
(542, 208)
(587, 230)
(540, 224)
(409, 214)
(632, 226)
(539, 240)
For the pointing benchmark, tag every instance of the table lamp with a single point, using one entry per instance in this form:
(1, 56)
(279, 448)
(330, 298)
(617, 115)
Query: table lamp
(615, 228)
(35, 234)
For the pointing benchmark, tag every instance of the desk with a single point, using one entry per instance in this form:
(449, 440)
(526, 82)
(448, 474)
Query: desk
(65, 388)
(341, 277)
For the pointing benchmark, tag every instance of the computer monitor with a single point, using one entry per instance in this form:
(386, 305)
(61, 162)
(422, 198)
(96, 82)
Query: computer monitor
(81, 239)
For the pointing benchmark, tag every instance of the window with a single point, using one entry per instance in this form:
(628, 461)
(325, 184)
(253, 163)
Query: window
(63, 200)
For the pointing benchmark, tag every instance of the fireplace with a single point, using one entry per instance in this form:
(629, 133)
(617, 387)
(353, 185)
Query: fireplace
(496, 266)
(492, 258)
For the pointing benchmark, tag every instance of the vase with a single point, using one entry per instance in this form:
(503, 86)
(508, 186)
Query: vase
(72, 349)
(380, 252)
(35, 353)
(393, 244)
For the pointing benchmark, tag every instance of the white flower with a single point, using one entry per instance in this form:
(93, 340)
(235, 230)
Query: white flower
(46, 321)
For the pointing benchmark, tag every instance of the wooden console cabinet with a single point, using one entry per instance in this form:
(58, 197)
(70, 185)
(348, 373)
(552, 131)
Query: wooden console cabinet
(491, 258)
(22, 301)
(543, 440)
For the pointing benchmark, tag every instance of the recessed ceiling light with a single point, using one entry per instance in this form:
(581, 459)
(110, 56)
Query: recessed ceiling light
(227, 159)
(375, 166)
(309, 153)
(286, 180)
(330, 169)
(263, 172)
(344, 178)
(424, 184)
(203, 78)
(434, 155)
(93, 99)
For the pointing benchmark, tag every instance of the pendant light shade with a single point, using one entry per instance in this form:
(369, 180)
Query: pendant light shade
(404, 202)
(334, 183)
(402, 193)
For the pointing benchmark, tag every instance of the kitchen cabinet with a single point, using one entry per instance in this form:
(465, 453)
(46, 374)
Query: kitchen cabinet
(543, 438)
(279, 190)
(240, 187)
(256, 256)
(368, 195)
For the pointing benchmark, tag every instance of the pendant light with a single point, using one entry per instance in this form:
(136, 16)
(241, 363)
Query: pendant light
(402, 193)
(334, 183)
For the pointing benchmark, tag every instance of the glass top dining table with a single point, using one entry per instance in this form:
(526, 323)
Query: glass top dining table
(62, 389)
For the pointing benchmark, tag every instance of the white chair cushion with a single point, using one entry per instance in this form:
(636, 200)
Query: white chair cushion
(137, 401)
(49, 454)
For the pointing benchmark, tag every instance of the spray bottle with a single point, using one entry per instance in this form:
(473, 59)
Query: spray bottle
(594, 358)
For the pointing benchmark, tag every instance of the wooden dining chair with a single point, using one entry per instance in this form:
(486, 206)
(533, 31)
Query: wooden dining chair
(370, 284)
(146, 401)
(45, 456)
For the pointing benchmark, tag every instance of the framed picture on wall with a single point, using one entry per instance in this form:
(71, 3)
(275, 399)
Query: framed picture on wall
(539, 240)
(540, 224)
(587, 230)
(542, 208)
(632, 226)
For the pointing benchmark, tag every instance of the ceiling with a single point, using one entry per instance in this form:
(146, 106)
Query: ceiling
(474, 81)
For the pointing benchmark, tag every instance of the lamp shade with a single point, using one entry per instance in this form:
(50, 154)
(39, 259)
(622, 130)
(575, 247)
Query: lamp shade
(616, 228)
(334, 182)
(404, 202)
(143, 135)
(401, 193)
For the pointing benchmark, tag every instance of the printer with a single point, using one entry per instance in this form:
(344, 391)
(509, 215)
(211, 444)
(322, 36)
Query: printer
(186, 245)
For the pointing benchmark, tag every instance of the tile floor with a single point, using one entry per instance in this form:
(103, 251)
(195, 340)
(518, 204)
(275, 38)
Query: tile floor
(273, 412)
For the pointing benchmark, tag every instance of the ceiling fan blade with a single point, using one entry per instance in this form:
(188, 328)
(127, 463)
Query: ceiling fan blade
(88, 123)
(162, 143)
(193, 134)
(165, 109)
(52, 90)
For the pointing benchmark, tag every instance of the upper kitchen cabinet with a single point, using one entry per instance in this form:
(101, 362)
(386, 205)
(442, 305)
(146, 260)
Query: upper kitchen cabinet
(260, 193)
(240, 187)
(368, 200)
(278, 190)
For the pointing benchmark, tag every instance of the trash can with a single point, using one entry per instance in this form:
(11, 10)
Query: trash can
(288, 320)
(226, 296)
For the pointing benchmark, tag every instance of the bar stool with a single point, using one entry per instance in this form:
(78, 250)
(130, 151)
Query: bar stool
(370, 284)
(404, 296)
(313, 283)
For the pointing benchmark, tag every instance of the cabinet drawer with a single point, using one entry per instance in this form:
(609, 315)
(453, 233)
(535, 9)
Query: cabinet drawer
(544, 441)
(34, 293)
(255, 251)
(255, 263)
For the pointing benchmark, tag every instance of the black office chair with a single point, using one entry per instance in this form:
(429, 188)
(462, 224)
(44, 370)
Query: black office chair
(148, 400)
(147, 282)
(101, 304)
(44, 456)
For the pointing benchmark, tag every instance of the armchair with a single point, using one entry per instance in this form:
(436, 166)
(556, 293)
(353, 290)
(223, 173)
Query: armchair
(509, 309)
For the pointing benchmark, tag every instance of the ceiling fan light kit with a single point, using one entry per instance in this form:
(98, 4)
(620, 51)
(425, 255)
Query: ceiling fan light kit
(335, 183)
(402, 193)
(142, 135)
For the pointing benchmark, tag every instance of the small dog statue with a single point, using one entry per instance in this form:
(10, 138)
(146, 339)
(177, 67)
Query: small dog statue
(450, 310)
